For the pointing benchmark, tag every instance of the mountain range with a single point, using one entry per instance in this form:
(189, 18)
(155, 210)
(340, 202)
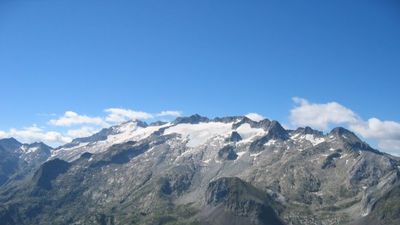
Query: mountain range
(196, 170)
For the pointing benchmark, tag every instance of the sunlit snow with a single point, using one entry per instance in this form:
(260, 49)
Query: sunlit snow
(198, 134)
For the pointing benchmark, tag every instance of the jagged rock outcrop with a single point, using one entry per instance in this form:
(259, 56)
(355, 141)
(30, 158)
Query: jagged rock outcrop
(229, 200)
(48, 172)
(17, 160)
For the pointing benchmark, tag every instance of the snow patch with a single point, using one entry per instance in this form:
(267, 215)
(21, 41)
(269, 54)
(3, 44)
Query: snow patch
(132, 132)
(309, 137)
(128, 131)
(314, 140)
(248, 133)
(240, 154)
(294, 137)
(217, 161)
(270, 142)
(206, 161)
(198, 134)
(319, 193)
(26, 150)
(255, 155)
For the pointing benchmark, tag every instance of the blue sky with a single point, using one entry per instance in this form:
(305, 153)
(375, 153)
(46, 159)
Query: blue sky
(209, 57)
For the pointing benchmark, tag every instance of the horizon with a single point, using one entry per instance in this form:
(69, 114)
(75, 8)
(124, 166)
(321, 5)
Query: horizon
(71, 68)
(252, 116)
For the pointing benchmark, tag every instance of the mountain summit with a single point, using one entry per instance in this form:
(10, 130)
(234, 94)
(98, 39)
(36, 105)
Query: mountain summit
(196, 170)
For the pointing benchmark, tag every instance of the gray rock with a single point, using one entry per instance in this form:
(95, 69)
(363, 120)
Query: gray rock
(274, 176)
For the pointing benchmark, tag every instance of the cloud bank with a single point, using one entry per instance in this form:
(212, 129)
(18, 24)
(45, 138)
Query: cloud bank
(169, 113)
(324, 115)
(317, 115)
(72, 118)
(76, 125)
(35, 133)
(119, 115)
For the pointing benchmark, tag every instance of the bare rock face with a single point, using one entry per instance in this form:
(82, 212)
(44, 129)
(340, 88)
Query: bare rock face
(235, 137)
(17, 160)
(50, 171)
(232, 201)
(196, 170)
(227, 153)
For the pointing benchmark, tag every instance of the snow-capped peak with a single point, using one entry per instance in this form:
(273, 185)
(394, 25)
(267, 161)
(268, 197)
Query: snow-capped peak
(127, 131)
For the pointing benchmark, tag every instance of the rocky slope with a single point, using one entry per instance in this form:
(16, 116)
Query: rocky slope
(196, 170)
(18, 160)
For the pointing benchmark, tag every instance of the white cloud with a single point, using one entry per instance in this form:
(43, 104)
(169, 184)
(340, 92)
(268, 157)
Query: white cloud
(35, 133)
(375, 128)
(119, 115)
(82, 132)
(255, 116)
(322, 116)
(387, 133)
(53, 138)
(81, 125)
(390, 146)
(170, 113)
(72, 118)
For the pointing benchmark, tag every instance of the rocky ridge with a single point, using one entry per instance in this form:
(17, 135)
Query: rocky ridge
(194, 168)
